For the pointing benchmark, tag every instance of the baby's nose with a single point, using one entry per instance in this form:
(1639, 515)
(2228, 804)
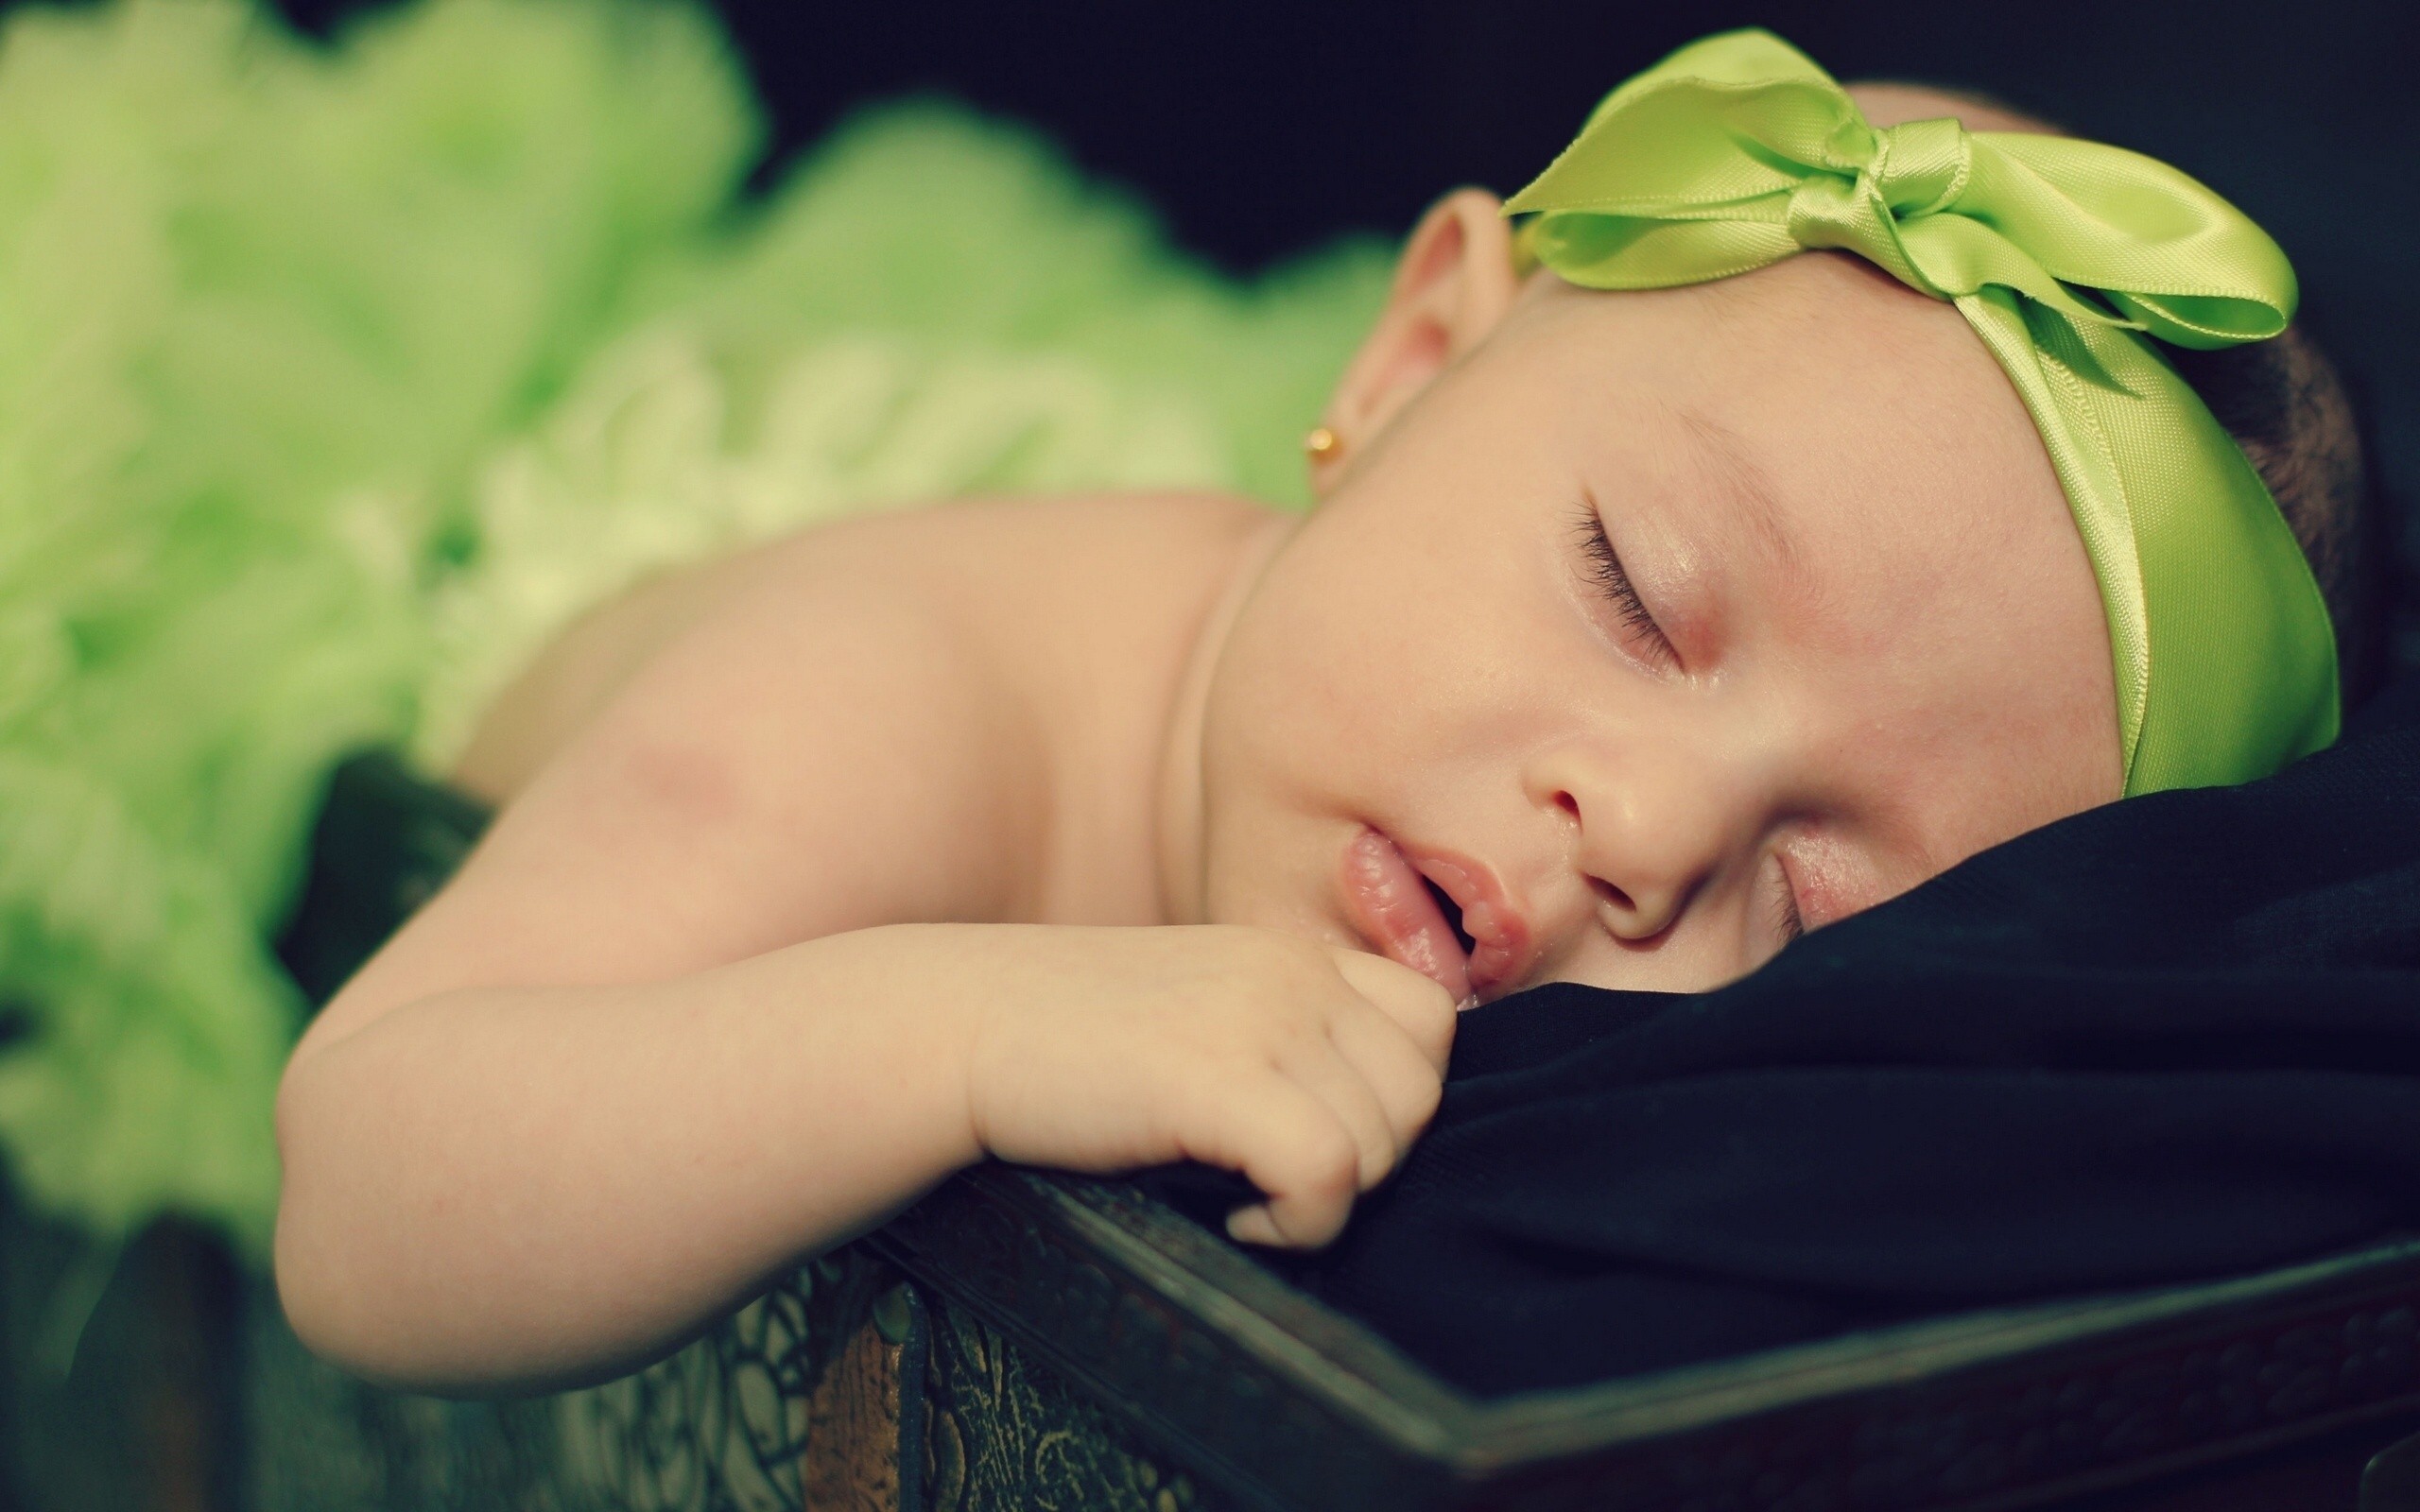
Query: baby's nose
(1646, 833)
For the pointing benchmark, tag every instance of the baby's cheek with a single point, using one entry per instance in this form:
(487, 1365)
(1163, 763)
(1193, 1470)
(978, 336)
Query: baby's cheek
(1322, 641)
(1835, 881)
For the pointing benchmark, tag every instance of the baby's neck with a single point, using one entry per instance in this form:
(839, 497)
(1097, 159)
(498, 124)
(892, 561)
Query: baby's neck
(1178, 830)
(1117, 611)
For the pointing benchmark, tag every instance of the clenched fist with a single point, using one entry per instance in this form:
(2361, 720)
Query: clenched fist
(1307, 1068)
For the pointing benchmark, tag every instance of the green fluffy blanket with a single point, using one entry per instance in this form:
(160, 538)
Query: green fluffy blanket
(333, 379)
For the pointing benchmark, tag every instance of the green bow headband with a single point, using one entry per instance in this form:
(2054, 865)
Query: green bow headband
(1738, 151)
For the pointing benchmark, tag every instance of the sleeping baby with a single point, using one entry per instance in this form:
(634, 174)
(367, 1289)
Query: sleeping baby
(1810, 488)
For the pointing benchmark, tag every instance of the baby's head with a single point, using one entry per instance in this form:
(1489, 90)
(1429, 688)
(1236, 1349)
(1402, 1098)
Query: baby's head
(1640, 630)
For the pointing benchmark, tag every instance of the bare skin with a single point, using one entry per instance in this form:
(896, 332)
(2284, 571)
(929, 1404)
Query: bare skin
(1102, 833)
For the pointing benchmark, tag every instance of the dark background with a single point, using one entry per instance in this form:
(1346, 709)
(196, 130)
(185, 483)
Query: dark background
(1259, 127)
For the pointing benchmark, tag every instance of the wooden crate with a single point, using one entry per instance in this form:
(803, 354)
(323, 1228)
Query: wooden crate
(1053, 1341)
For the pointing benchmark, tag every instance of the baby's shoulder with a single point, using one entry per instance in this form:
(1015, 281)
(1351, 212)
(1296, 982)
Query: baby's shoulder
(1052, 579)
(1038, 548)
(1020, 604)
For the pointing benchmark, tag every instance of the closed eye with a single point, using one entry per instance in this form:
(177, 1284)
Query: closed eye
(1788, 921)
(1605, 572)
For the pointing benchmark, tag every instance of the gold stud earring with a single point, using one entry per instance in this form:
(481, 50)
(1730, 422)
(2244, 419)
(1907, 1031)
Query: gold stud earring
(1323, 445)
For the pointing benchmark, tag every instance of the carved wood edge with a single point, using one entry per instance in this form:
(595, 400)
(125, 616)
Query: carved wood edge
(2000, 1410)
(1243, 1390)
(852, 1463)
(1007, 1433)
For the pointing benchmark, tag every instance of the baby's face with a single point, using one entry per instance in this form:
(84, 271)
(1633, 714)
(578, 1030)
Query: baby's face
(1654, 628)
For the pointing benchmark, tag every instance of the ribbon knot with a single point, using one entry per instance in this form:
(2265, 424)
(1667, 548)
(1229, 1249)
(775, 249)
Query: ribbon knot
(1902, 175)
(1827, 210)
(1877, 185)
(1738, 151)
(1921, 166)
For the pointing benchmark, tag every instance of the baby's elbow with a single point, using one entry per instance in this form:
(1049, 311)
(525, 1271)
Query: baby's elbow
(368, 1283)
(311, 1289)
(344, 1312)
(319, 1284)
(326, 1268)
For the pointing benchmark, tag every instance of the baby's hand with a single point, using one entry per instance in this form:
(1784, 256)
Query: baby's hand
(1308, 1068)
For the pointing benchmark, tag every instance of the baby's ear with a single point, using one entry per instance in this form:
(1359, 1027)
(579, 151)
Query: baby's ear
(1452, 288)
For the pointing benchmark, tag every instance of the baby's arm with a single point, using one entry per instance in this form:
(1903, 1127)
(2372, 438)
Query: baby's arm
(651, 1045)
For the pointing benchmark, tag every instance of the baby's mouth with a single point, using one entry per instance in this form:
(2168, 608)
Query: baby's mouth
(1498, 949)
(1453, 912)
(1409, 918)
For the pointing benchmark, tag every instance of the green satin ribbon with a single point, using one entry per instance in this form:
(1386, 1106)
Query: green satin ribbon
(2064, 256)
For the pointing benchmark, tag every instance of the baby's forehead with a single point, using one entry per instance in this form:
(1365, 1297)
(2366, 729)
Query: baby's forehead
(1898, 453)
(1823, 319)
(1888, 102)
(1858, 385)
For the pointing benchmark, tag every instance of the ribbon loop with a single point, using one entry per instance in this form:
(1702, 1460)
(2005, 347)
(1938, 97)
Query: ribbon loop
(1738, 151)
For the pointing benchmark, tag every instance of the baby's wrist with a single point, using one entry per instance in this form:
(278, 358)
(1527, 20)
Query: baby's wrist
(949, 992)
(917, 1008)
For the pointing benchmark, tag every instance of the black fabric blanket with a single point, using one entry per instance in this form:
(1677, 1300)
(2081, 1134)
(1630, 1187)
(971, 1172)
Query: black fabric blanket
(2170, 1039)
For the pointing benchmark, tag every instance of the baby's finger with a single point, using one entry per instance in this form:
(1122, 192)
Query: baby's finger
(1396, 1070)
(1427, 1011)
(1328, 1075)
(1288, 1144)
(1253, 1225)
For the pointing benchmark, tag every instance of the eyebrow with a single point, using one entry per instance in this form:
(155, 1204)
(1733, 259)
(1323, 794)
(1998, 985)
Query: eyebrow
(1726, 460)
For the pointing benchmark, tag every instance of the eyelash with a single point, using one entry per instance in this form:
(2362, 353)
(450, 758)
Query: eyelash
(1788, 921)
(1605, 570)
